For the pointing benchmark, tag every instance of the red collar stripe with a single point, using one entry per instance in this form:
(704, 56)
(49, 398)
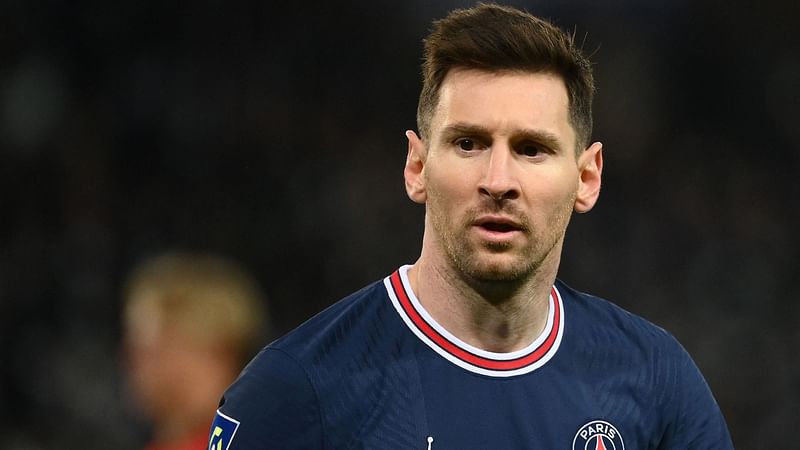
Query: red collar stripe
(467, 356)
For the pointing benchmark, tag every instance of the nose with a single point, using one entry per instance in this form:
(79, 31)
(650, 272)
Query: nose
(499, 181)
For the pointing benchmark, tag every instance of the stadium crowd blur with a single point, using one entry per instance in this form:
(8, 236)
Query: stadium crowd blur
(272, 132)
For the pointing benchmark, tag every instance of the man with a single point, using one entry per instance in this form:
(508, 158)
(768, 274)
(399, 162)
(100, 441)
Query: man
(191, 321)
(477, 345)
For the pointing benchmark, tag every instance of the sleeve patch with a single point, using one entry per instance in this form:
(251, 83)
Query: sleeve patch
(222, 431)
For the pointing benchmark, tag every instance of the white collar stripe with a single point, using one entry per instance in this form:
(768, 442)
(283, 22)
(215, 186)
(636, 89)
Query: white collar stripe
(464, 355)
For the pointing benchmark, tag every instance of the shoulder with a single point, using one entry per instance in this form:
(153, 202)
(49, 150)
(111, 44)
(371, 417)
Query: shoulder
(630, 349)
(614, 345)
(283, 396)
(596, 318)
(272, 402)
(336, 328)
(325, 338)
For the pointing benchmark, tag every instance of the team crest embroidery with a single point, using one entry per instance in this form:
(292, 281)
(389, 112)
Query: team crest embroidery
(598, 435)
(222, 431)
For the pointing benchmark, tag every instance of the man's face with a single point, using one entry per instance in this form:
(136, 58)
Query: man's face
(499, 173)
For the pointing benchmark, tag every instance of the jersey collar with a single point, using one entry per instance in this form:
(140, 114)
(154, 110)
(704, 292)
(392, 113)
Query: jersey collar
(464, 355)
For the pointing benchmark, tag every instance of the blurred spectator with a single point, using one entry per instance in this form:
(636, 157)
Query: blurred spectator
(190, 323)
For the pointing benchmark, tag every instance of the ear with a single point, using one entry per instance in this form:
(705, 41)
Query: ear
(590, 166)
(414, 172)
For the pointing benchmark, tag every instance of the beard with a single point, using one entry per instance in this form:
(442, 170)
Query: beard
(499, 262)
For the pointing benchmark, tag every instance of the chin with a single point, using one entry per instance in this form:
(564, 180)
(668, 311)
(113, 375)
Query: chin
(496, 269)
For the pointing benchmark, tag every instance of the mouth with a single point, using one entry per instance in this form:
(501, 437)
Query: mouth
(498, 224)
(498, 227)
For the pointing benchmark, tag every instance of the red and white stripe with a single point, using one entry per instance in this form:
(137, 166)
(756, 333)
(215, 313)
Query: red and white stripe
(464, 355)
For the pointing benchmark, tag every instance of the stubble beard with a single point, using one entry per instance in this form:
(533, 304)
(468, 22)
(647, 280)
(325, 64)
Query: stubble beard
(475, 262)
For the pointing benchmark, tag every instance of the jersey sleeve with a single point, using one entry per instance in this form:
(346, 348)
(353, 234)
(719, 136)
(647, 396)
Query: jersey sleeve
(696, 422)
(271, 405)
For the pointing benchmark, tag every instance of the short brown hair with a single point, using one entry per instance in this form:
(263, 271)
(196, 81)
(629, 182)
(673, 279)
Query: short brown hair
(497, 38)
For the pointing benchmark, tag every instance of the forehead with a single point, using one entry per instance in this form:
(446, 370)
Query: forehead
(504, 101)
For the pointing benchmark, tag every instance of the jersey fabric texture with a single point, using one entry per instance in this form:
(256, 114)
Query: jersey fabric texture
(375, 371)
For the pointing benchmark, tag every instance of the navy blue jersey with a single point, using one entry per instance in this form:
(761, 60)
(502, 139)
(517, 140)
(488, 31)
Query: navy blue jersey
(375, 371)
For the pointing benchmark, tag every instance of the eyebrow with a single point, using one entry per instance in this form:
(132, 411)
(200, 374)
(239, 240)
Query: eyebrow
(543, 137)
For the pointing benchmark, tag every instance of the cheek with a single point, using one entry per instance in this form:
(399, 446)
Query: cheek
(154, 365)
(552, 195)
(452, 184)
(558, 192)
(446, 205)
(145, 374)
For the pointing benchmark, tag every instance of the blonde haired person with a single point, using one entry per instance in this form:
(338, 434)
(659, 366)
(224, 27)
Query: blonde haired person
(190, 323)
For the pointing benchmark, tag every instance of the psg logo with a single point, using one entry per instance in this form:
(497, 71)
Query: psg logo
(598, 435)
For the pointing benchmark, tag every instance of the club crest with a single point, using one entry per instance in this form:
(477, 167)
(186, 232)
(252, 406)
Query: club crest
(598, 435)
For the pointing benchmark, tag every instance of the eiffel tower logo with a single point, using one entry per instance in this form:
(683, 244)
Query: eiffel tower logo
(600, 445)
(598, 435)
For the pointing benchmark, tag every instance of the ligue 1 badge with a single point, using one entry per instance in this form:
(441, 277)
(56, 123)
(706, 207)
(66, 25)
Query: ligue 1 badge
(598, 435)
(223, 429)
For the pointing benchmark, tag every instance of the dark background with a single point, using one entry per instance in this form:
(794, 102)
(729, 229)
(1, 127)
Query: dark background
(272, 132)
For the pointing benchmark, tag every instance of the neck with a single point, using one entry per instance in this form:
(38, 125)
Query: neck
(496, 316)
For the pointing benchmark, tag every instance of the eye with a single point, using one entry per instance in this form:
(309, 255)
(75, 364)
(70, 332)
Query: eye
(465, 144)
(530, 149)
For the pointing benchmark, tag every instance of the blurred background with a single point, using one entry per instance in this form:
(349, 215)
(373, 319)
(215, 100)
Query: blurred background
(272, 133)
